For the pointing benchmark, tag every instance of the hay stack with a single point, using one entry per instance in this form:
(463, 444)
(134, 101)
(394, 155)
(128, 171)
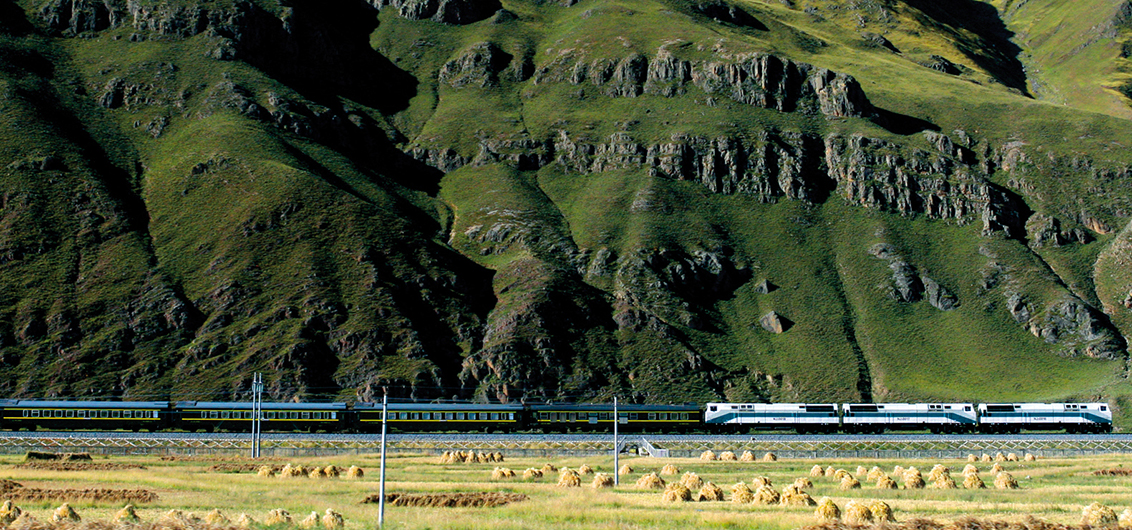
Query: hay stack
(332, 520)
(245, 521)
(886, 483)
(216, 518)
(650, 482)
(969, 469)
(913, 480)
(762, 481)
(1011, 457)
(625, 470)
(569, 479)
(692, 481)
(355, 472)
(298, 471)
(501, 473)
(996, 469)
(973, 482)
(986, 458)
(316, 472)
(840, 474)
(486, 458)
(944, 483)
(65, 513)
(549, 468)
(742, 494)
(858, 513)
(827, 510)
(265, 471)
(882, 512)
(830, 471)
(498, 457)
(1125, 519)
(972, 458)
(585, 470)
(286, 471)
(727, 456)
(747, 456)
(446, 458)
(792, 495)
(850, 482)
(817, 471)
(277, 517)
(311, 521)
(938, 472)
(10, 512)
(999, 457)
(670, 469)
(766, 495)
(1097, 514)
(331, 471)
(532, 473)
(803, 483)
(676, 492)
(1029, 457)
(1005, 481)
(707, 456)
(861, 471)
(710, 492)
(770, 457)
(875, 474)
(176, 518)
(602, 481)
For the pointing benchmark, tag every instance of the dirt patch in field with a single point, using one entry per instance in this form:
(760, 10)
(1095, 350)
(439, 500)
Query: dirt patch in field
(449, 500)
(216, 459)
(77, 466)
(65, 457)
(242, 468)
(15, 491)
(1115, 472)
(36, 524)
(966, 523)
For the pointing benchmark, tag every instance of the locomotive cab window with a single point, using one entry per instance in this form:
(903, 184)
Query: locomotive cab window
(713, 408)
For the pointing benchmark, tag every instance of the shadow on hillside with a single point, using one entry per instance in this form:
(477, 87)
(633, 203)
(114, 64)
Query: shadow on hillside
(12, 19)
(902, 124)
(996, 53)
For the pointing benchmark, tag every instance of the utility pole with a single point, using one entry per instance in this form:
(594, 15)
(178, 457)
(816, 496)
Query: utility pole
(616, 449)
(257, 412)
(381, 488)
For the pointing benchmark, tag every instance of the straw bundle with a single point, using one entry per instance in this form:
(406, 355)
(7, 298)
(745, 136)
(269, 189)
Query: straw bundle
(602, 481)
(766, 495)
(277, 517)
(913, 479)
(882, 512)
(999, 457)
(747, 456)
(761, 481)
(670, 469)
(968, 469)
(794, 496)
(501, 473)
(827, 510)
(840, 474)
(311, 521)
(803, 483)
(1029, 457)
(625, 470)
(1097, 514)
(886, 483)
(692, 481)
(65, 513)
(996, 469)
(875, 474)
(470, 458)
(742, 494)
(650, 481)
(972, 458)
(1005, 481)
(498, 457)
(355, 472)
(549, 468)
(857, 513)
(316, 472)
(727, 456)
(850, 482)
(245, 521)
(585, 469)
(710, 492)
(332, 520)
(1011, 457)
(446, 458)
(1125, 519)
(265, 471)
(938, 472)
(817, 471)
(861, 471)
(944, 483)
(707, 456)
(331, 471)
(770, 457)
(174, 517)
(986, 458)
(298, 471)
(569, 479)
(10, 512)
(676, 492)
(830, 471)
(216, 518)
(486, 457)
(898, 471)
(532, 473)
(973, 482)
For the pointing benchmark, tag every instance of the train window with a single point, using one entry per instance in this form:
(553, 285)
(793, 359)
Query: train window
(968, 409)
(27, 413)
(461, 416)
(544, 416)
(652, 416)
(733, 407)
(684, 416)
(126, 414)
(117, 414)
(248, 415)
(80, 413)
(271, 415)
(1104, 407)
(70, 414)
(713, 408)
(428, 416)
(225, 415)
(494, 416)
(306, 415)
(664, 416)
(511, 416)
(623, 415)
(35, 413)
(416, 415)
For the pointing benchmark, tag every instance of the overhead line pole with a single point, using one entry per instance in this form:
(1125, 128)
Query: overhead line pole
(381, 488)
(616, 449)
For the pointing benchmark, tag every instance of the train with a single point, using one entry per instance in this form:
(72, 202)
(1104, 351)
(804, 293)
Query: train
(802, 418)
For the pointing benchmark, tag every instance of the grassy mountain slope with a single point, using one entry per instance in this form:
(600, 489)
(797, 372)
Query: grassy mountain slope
(662, 200)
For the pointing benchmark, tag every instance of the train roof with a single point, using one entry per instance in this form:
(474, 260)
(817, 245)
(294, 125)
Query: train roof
(55, 404)
(441, 406)
(608, 407)
(247, 405)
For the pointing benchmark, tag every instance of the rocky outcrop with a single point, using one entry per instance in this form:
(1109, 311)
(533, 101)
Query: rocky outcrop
(1079, 329)
(774, 323)
(908, 285)
(444, 11)
(1043, 230)
(762, 80)
(479, 67)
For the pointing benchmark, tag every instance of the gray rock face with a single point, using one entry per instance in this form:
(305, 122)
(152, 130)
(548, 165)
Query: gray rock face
(456, 12)
(1043, 230)
(774, 323)
(478, 67)
(908, 285)
(1081, 329)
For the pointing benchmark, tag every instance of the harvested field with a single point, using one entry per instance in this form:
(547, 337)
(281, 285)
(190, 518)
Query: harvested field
(1114, 472)
(77, 466)
(485, 499)
(242, 468)
(65, 457)
(110, 496)
(966, 523)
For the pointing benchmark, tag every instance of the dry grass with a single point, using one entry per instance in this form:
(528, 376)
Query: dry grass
(875, 474)
(997, 468)
(585, 470)
(945, 482)
(128, 514)
(65, 513)
(1011, 457)
(969, 469)
(355, 472)
(793, 495)
(216, 518)
(849, 482)
(532, 473)
(803, 483)
(549, 468)
(310, 521)
(625, 470)
(886, 483)
(999, 457)
(65, 457)
(747, 456)
(501, 473)
(762, 481)
(986, 458)
(882, 512)
(938, 472)
(9, 512)
(830, 471)
(1097, 514)
(280, 516)
(332, 520)
(1030, 458)
(861, 471)
(487, 499)
(913, 479)
(972, 458)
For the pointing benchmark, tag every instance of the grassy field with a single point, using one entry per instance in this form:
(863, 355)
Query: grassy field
(1054, 490)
